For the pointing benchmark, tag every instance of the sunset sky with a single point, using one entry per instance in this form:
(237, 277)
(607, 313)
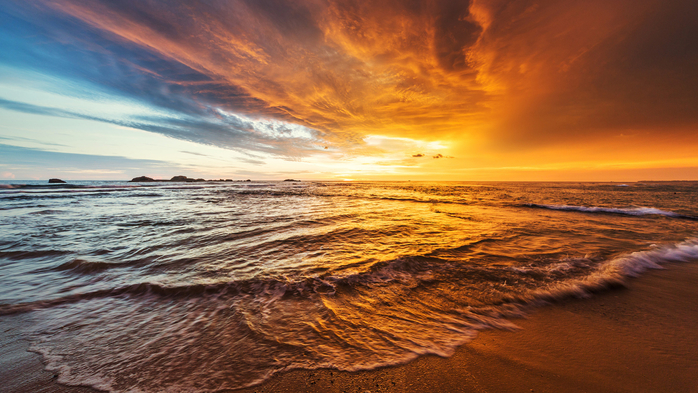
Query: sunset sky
(366, 90)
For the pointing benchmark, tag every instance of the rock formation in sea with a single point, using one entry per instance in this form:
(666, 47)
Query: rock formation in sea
(142, 179)
(179, 178)
(54, 180)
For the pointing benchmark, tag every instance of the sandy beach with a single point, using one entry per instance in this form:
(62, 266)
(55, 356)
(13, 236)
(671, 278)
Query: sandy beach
(637, 339)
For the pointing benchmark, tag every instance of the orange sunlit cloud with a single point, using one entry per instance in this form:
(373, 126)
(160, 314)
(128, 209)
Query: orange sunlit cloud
(538, 85)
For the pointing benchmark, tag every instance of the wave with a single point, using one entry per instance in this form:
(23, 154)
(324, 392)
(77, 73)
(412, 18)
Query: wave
(21, 255)
(47, 212)
(407, 272)
(88, 267)
(635, 263)
(612, 273)
(305, 191)
(631, 211)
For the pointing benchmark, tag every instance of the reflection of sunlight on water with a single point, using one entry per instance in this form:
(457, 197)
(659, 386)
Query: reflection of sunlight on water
(348, 275)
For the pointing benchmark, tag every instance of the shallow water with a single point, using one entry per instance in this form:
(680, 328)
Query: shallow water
(206, 286)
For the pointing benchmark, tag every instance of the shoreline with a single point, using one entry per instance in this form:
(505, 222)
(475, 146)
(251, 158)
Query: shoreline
(635, 339)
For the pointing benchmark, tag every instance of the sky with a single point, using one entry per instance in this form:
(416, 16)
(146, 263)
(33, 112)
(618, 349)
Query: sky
(530, 90)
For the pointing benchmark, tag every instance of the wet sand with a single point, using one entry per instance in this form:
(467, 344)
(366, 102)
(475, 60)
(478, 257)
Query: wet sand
(639, 339)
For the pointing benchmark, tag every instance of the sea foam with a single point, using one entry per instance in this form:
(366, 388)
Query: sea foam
(630, 211)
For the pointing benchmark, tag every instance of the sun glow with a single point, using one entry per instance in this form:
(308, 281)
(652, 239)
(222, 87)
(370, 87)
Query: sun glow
(440, 89)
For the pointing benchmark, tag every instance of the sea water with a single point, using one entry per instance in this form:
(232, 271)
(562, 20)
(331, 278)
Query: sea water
(216, 285)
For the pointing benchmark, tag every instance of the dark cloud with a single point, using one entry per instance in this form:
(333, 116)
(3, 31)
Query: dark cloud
(291, 18)
(33, 109)
(455, 33)
(193, 153)
(251, 161)
(575, 75)
(31, 140)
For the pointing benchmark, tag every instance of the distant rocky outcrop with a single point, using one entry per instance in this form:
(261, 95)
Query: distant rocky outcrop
(142, 179)
(291, 180)
(180, 178)
(54, 180)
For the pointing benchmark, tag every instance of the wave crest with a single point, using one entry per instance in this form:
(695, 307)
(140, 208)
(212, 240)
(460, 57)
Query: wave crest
(630, 211)
(613, 273)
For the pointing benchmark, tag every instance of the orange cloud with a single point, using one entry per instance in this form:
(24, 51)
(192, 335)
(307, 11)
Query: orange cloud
(514, 83)
(349, 69)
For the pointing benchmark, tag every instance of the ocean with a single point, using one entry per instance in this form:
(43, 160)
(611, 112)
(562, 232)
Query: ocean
(219, 285)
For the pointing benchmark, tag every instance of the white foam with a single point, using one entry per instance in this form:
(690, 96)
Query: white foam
(633, 211)
(614, 271)
(637, 262)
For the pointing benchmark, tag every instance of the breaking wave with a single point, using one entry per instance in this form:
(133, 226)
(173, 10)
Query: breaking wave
(631, 211)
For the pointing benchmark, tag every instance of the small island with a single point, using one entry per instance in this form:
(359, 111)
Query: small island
(292, 180)
(143, 179)
(179, 178)
(56, 181)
